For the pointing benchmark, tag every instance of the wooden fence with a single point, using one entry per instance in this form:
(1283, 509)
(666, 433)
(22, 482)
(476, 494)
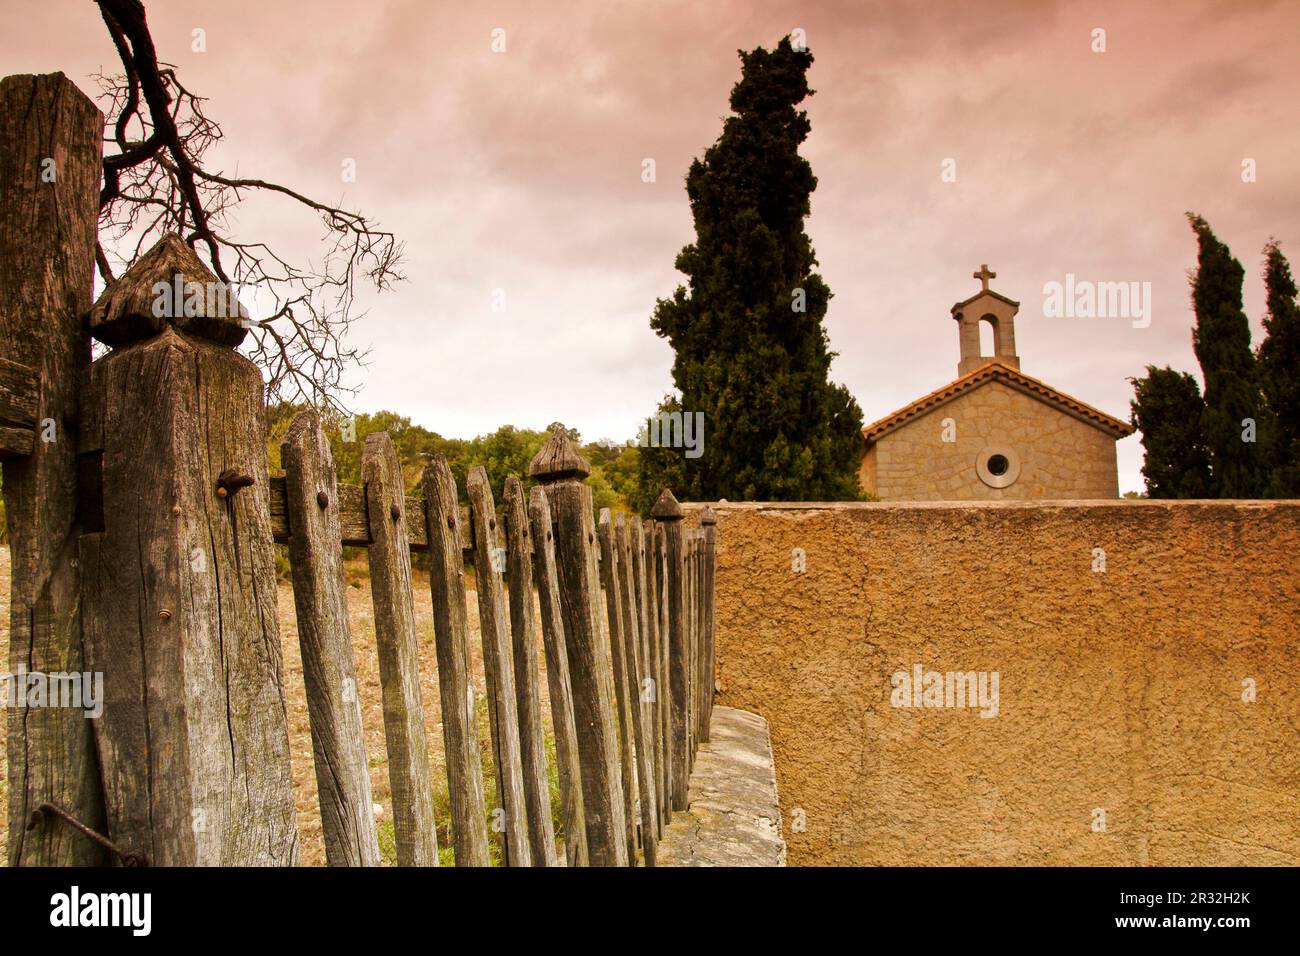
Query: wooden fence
(143, 522)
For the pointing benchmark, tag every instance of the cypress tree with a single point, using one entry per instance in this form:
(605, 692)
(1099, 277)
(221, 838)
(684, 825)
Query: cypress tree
(1221, 340)
(1167, 410)
(751, 351)
(1279, 369)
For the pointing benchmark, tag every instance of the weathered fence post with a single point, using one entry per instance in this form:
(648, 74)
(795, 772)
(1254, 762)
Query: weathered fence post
(328, 666)
(709, 521)
(618, 644)
(643, 571)
(50, 150)
(561, 470)
(667, 511)
(663, 686)
(498, 668)
(557, 678)
(632, 659)
(692, 642)
(523, 635)
(178, 578)
(389, 555)
(456, 692)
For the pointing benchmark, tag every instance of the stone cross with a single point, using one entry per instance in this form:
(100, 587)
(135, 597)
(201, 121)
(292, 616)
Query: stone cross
(984, 275)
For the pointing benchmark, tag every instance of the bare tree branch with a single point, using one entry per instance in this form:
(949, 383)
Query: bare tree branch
(156, 182)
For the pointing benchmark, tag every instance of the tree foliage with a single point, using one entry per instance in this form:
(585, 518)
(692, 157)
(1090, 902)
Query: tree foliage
(1221, 340)
(1167, 408)
(751, 351)
(504, 452)
(1279, 370)
(1242, 438)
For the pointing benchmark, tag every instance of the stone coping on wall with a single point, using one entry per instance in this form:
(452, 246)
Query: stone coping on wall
(1020, 505)
(734, 818)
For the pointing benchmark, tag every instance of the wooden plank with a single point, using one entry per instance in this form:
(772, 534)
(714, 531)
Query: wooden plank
(19, 404)
(709, 521)
(692, 665)
(354, 518)
(622, 693)
(560, 469)
(455, 679)
(557, 678)
(664, 686)
(397, 640)
(328, 668)
(48, 228)
(697, 655)
(498, 667)
(632, 657)
(528, 678)
(16, 442)
(648, 672)
(669, 513)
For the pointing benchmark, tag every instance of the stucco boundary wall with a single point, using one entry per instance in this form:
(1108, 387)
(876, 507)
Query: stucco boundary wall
(1125, 733)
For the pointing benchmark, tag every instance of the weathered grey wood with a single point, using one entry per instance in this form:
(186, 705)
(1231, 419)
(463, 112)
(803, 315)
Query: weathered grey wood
(669, 513)
(328, 666)
(557, 678)
(664, 685)
(560, 469)
(623, 695)
(19, 404)
(354, 518)
(397, 639)
(528, 679)
(647, 670)
(698, 668)
(655, 539)
(709, 522)
(645, 533)
(692, 666)
(47, 261)
(632, 658)
(455, 684)
(498, 667)
(179, 610)
(132, 309)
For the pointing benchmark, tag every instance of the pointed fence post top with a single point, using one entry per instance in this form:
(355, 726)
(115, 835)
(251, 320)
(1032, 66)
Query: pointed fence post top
(666, 508)
(708, 516)
(169, 285)
(559, 459)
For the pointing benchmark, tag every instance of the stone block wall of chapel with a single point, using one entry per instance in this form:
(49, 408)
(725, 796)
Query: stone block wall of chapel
(1060, 456)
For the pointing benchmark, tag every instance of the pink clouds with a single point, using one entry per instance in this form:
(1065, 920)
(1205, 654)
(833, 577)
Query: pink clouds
(522, 171)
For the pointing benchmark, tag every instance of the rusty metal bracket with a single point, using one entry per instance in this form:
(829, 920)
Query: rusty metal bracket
(128, 857)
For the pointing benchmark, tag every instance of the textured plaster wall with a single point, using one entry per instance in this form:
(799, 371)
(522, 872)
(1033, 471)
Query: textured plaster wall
(1119, 691)
(1061, 456)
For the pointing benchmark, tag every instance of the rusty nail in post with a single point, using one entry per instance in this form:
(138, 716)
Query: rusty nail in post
(231, 480)
(322, 499)
(394, 512)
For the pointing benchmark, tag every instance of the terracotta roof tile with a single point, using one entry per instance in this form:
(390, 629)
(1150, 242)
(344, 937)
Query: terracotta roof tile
(996, 371)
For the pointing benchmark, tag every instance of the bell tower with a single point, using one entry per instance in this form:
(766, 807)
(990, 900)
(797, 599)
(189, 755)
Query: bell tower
(995, 309)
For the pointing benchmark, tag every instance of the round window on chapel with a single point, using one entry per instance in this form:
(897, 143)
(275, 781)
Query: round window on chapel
(998, 466)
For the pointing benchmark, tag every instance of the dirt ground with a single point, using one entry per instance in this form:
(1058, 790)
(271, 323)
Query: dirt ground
(362, 626)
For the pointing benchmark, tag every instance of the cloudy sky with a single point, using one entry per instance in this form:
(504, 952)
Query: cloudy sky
(521, 171)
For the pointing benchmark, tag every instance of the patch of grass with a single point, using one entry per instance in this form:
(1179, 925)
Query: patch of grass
(387, 842)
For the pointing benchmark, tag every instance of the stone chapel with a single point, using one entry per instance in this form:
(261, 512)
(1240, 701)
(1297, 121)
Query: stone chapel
(993, 432)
